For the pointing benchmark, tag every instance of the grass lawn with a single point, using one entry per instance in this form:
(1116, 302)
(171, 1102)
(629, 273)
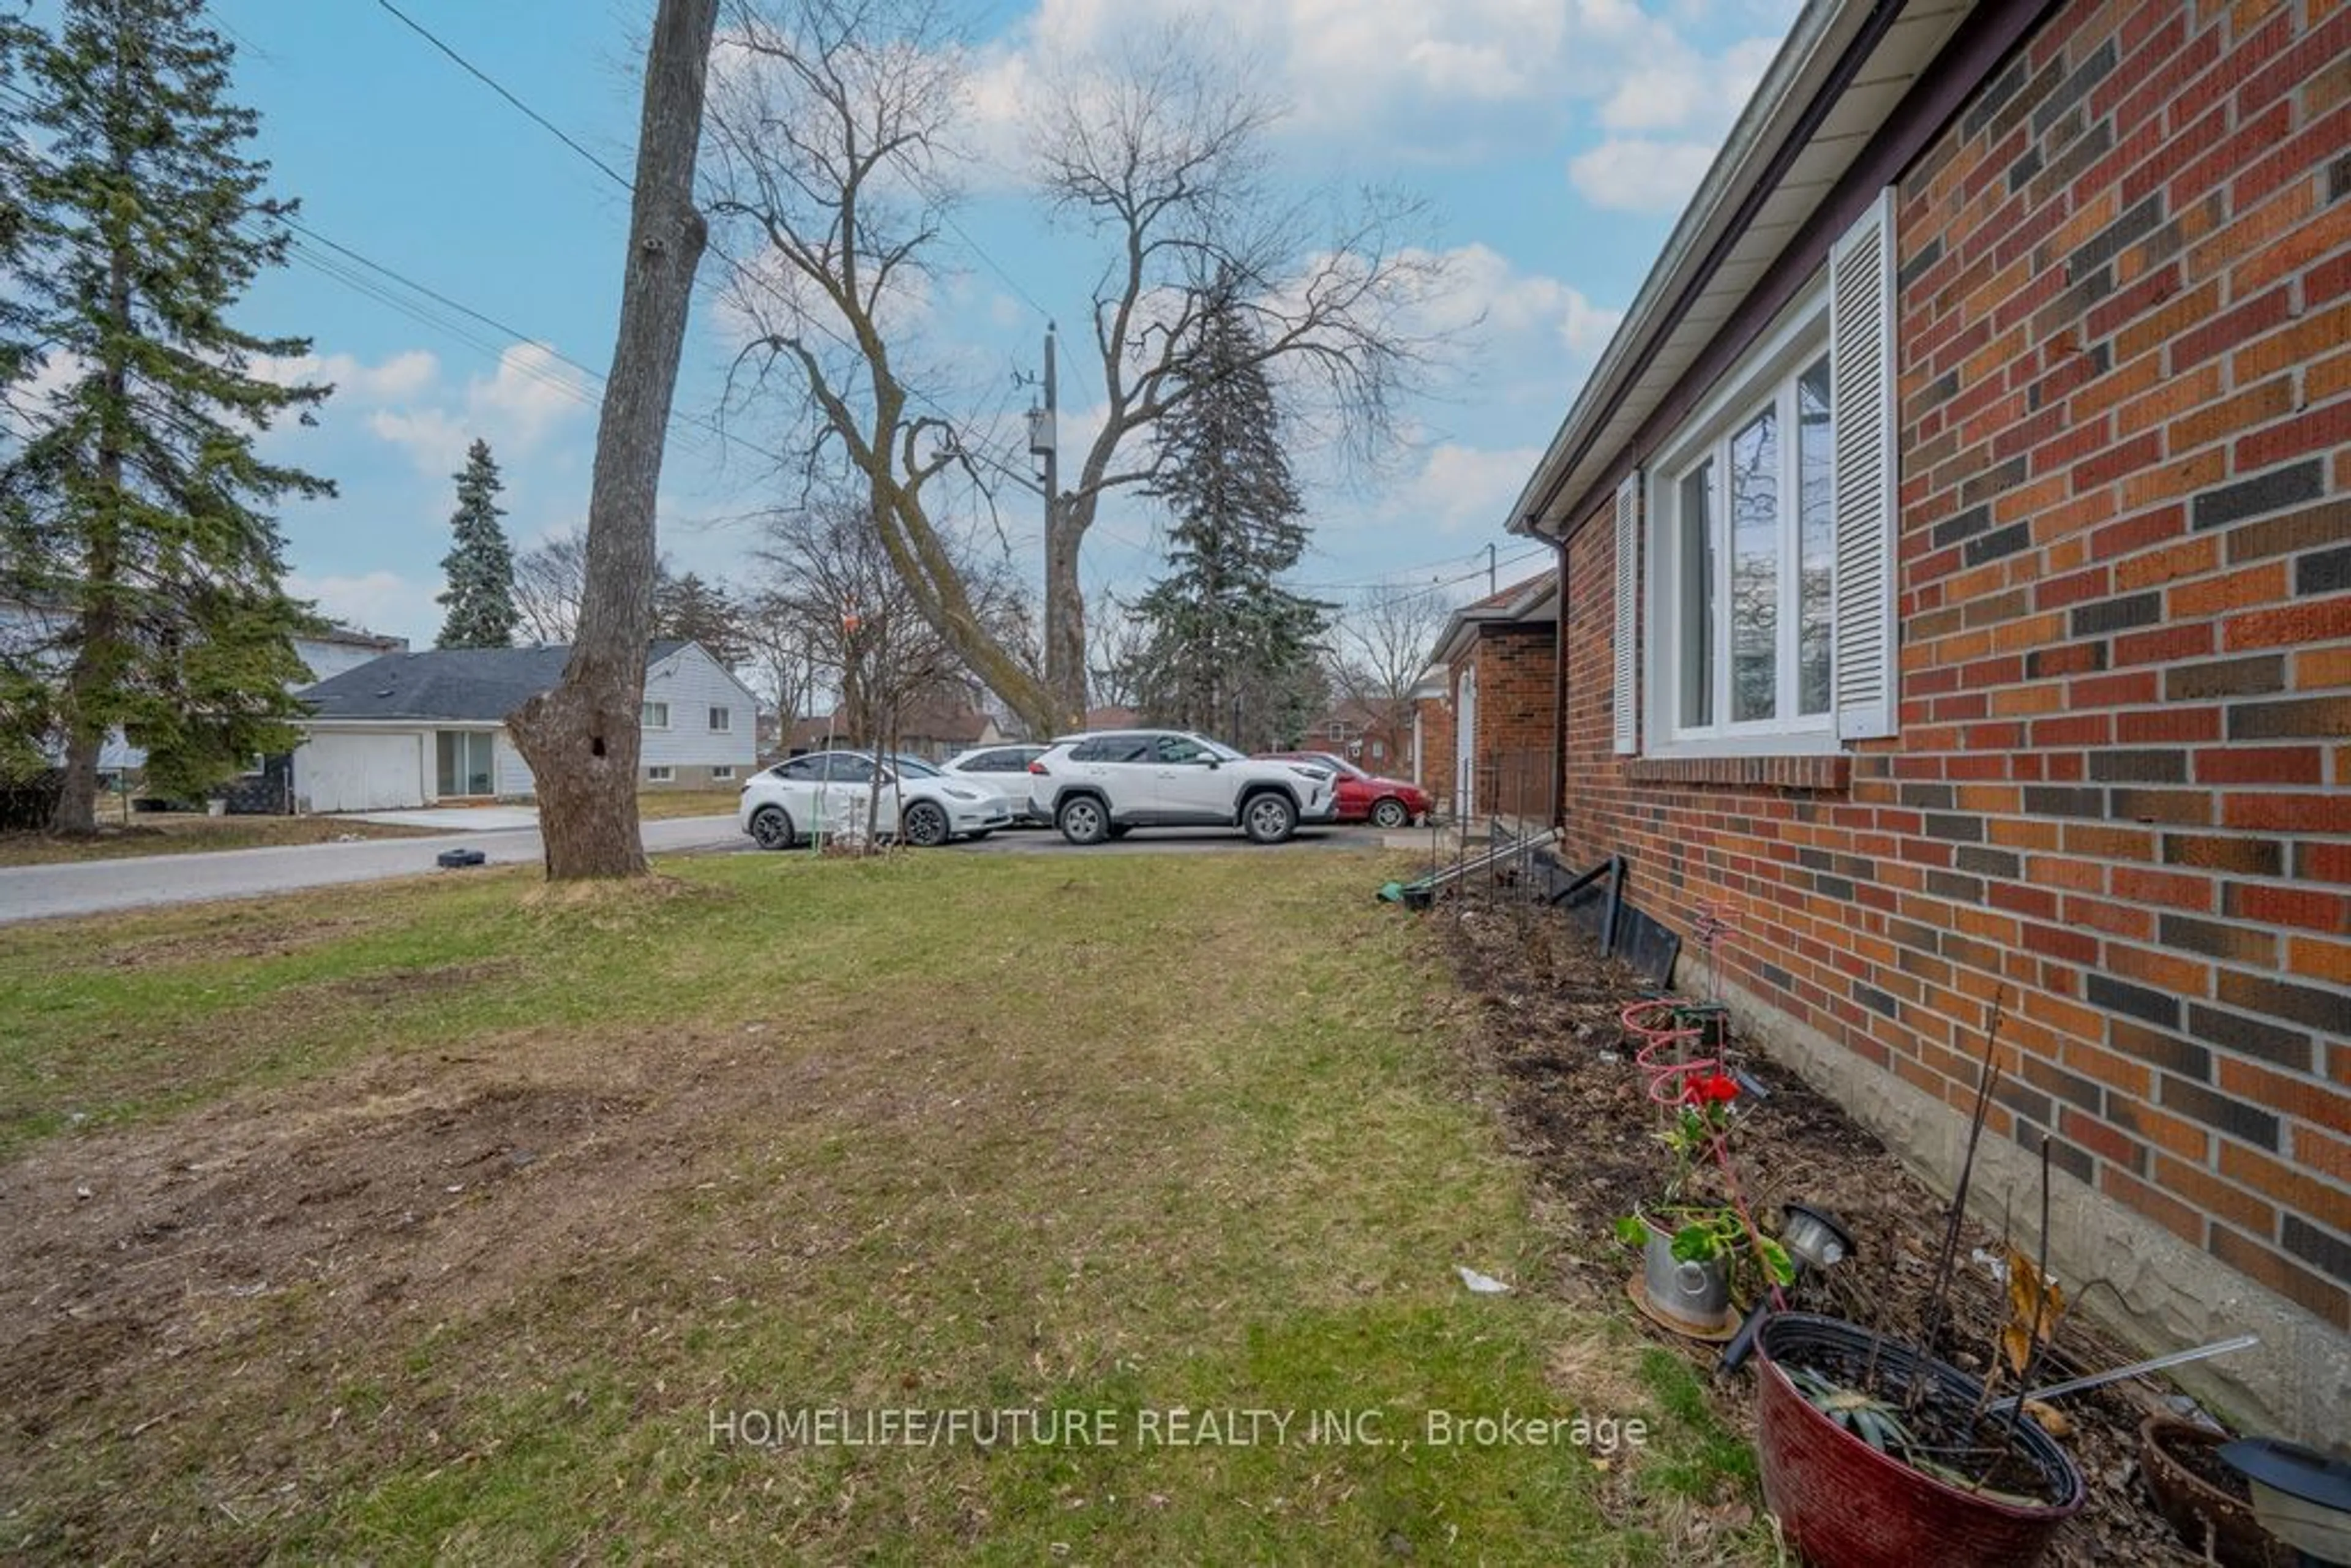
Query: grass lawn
(182, 832)
(469, 1220)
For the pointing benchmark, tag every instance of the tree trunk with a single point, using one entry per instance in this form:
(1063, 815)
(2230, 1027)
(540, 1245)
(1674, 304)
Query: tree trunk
(1065, 622)
(584, 738)
(98, 655)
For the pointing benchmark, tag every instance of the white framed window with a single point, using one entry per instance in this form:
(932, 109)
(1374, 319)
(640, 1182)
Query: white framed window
(721, 721)
(660, 773)
(465, 763)
(1766, 540)
(721, 772)
(655, 716)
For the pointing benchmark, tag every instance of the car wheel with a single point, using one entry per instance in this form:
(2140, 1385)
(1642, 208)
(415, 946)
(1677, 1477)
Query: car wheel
(770, 829)
(1269, 818)
(1390, 813)
(1082, 819)
(925, 826)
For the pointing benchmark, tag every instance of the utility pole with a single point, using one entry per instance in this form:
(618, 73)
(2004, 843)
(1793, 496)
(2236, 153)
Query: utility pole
(1044, 441)
(1490, 589)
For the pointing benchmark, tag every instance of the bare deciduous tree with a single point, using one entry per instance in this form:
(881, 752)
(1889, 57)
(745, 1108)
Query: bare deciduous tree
(827, 574)
(549, 581)
(1117, 643)
(832, 157)
(1381, 645)
(582, 738)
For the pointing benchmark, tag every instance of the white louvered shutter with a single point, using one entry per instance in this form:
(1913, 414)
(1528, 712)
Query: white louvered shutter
(1861, 397)
(1629, 620)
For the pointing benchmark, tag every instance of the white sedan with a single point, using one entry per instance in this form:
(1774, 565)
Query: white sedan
(830, 792)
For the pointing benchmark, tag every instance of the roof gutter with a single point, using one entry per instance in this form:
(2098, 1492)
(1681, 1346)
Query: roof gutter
(1803, 81)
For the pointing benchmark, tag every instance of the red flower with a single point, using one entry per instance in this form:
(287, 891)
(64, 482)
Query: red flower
(1711, 1089)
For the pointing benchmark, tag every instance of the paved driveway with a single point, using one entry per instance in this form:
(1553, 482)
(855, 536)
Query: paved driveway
(1177, 841)
(88, 887)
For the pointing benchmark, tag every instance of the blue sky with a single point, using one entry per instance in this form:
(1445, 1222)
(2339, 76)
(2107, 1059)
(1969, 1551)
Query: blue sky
(1554, 139)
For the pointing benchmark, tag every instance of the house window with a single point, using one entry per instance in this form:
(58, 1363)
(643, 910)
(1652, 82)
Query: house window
(655, 716)
(1748, 562)
(661, 774)
(721, 721)
(722, 773)
(1766, 542)
(464, 763)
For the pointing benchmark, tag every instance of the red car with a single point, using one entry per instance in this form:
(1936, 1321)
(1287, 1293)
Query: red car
(1365, 797)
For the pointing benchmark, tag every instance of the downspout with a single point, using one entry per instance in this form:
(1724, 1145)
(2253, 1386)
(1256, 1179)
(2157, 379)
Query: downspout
(1558, 697)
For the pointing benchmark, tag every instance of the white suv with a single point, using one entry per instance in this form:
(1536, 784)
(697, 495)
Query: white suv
(1099, 785)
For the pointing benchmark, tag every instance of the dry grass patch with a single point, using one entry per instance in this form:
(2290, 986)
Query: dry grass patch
(172, 833)
(503, 1197)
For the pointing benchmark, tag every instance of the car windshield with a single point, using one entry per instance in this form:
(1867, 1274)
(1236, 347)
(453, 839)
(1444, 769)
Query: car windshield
(914, 767)
(1218, 750)
(1337, 764)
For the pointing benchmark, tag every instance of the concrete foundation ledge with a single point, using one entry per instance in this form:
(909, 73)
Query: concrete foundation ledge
(2295, 1383)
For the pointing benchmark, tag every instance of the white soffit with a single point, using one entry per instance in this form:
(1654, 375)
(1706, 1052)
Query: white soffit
(1622, 390)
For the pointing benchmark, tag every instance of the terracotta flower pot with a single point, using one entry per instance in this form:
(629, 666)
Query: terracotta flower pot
(1847, 1505)
(2197, 1507)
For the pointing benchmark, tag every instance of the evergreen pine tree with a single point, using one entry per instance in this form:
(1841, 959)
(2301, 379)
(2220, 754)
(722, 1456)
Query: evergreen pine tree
(131, 504)
(480, 566)
(700, 611)
(1230, 651)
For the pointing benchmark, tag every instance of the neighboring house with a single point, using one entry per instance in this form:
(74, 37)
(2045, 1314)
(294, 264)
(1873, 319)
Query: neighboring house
(1432, 735)
(420, 729)
(327, 654)
(342, 648)
(1957, 580)
(1371, 734)
(937, 733)
(1488, 701)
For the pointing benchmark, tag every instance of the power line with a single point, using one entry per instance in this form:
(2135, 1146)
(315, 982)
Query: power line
(495, 86)
(980, 251)
(1008, 470)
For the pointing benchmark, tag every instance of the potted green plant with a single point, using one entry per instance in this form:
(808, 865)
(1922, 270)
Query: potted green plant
(1694, 1245)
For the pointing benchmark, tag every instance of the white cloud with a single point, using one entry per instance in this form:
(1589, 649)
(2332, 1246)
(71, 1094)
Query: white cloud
(1639, 175)
(1461, 490)
(1520, 308)
(1430, 78)
(531, 396)
(405, 375)
(383, 601)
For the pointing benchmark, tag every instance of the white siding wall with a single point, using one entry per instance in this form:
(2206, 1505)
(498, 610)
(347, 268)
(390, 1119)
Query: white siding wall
(693, 683)
(328, 658)
(354, 770)
(513, 774)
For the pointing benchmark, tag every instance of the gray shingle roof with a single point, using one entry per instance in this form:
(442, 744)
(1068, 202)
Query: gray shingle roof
(478, 684)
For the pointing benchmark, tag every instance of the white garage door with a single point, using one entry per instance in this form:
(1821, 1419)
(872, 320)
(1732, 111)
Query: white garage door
(359, 773)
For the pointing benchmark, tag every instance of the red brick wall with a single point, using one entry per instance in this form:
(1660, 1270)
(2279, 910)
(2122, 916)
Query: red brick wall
(1514, 719)
(1437, 748)
(2122, 786)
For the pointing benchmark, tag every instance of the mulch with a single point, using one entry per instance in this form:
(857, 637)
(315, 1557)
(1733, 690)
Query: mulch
(1548, 1049)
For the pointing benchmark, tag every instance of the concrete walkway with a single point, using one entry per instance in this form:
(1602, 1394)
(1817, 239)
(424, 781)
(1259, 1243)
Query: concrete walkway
(450, 819)
(90, 887)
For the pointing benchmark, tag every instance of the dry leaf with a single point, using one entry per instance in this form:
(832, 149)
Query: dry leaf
(2024, 1299)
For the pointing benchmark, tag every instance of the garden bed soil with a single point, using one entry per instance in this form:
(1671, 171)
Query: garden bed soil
(1548, 1050)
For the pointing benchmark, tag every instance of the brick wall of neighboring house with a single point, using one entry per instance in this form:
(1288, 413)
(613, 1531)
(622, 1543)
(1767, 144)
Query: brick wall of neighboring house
(2122, 789)
(1435, 774)
(1513, 744)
